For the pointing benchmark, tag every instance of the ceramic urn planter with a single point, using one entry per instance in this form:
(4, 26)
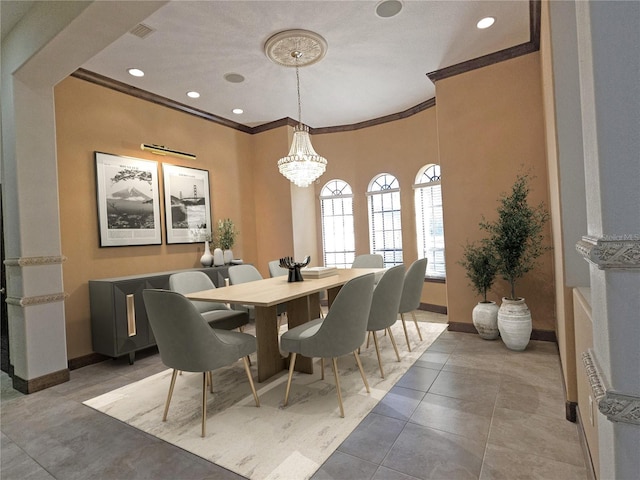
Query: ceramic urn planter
(485, 319)
(514, 323)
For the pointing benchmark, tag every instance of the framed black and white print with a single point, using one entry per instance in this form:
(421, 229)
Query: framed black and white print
(186, 204)
(128, 201)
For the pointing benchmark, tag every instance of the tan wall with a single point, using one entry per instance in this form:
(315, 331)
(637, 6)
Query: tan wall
(91, 118)
(490, 128)
(587, 409)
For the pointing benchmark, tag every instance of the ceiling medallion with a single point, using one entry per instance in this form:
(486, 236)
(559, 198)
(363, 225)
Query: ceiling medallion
(282, 48)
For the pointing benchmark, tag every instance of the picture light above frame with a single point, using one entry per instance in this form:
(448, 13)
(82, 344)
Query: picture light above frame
(162, 150)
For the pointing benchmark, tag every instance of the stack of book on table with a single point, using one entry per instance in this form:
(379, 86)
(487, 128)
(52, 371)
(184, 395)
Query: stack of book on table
(318, 272)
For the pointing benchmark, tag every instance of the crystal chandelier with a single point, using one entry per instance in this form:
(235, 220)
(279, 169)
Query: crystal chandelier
(299, 48)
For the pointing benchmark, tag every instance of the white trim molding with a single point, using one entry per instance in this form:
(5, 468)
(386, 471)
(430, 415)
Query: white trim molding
(611, 251)
(617, 407)
(34, 261)
(36, 300)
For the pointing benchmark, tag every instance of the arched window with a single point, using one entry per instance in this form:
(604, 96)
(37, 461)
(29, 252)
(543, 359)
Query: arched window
(385, 229)
(429, 225)
(338, 236)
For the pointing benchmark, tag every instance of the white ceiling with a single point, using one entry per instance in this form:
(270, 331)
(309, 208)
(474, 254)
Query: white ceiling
(373, 67)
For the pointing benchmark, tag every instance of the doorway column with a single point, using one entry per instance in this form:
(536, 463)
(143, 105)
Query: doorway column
(608, 39)
(50, 42)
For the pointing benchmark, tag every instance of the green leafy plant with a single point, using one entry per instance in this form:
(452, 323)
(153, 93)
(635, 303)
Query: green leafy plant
(226, 233)
(517, 236)
(481, 264)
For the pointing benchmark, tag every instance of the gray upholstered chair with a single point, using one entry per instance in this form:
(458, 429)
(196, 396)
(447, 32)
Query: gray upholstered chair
(411, 292)
(341, 332)
(243, 274)
(275, 270)
(369, 260)
(187, 343)
(218, 315)
(384, 307)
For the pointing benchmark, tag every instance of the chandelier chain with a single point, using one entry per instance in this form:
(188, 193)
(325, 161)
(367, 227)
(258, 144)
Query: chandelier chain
(298, 87)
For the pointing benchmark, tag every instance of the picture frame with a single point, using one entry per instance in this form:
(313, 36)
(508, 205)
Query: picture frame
(187, 204)
(128, 201)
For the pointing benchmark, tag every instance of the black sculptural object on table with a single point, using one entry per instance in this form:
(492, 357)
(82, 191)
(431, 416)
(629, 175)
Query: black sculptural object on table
(294, 268)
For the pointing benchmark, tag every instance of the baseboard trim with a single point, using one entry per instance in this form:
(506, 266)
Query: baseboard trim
(542, 335)
(588, 460)
(86, 360)
(570, 409)
(462, 327)
(430, 307)
(40, 383)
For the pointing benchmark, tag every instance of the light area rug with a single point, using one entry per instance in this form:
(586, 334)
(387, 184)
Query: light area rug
(271, 442)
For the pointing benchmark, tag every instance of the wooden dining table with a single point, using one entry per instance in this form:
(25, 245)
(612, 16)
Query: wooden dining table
(303, 305)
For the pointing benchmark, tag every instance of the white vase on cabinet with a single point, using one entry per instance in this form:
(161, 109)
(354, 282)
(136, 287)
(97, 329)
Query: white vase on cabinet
(207, 259)
(218, 257)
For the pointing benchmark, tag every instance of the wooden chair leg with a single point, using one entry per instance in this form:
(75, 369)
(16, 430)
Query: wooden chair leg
(204, 403)
(210, 380)
(166, 405)
(335, 374)
(322, 368)
(393, 342)
(292, 363)
(375, 342)
(253, 388)
(406, 335)
(364, 378)
(415, 320)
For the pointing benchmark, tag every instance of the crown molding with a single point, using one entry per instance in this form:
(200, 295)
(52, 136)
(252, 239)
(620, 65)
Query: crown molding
(617, 407)
(36, 300)
(34, 261)
(611, 251)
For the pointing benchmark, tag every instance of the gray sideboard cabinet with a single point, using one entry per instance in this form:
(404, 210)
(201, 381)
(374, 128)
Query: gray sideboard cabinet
(119, 324)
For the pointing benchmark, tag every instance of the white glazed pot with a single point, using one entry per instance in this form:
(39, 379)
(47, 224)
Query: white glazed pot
(514, 323)
(485, 319)
(228, 256)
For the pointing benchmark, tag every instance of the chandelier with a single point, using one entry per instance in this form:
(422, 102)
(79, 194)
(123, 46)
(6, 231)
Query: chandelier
(298, 48)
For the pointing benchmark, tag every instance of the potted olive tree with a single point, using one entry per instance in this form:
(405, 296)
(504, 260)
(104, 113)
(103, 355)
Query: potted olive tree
(226, 234)
(517, 239)
(480, 263)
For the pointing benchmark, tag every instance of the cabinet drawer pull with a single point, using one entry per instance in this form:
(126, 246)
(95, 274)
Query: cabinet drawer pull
(131, 315)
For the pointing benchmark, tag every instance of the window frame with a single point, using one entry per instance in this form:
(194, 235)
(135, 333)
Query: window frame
(385, 189)
(433, 181)
(348, 255)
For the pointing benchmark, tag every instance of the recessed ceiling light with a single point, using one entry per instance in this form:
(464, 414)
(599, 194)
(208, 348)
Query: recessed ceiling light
(238, 111)
(485, 22)
(193, 95)
(388, 8)
(234, 78)
(136, 72)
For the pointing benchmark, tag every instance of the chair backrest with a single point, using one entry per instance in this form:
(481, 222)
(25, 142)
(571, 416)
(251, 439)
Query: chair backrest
(243, 274)
(344, 328)
(386, 299)
(275, 270)
(189, 282)
(412, 289)
(369, 260)
(185, 340)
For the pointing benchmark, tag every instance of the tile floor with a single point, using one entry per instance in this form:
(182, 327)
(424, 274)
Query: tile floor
(469, 408)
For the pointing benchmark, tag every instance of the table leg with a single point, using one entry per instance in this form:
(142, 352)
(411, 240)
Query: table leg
(300, 311)
(332, 293)
(270, 361)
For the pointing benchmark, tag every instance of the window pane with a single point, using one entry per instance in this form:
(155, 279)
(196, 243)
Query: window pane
(337, 224)
(429, 224)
